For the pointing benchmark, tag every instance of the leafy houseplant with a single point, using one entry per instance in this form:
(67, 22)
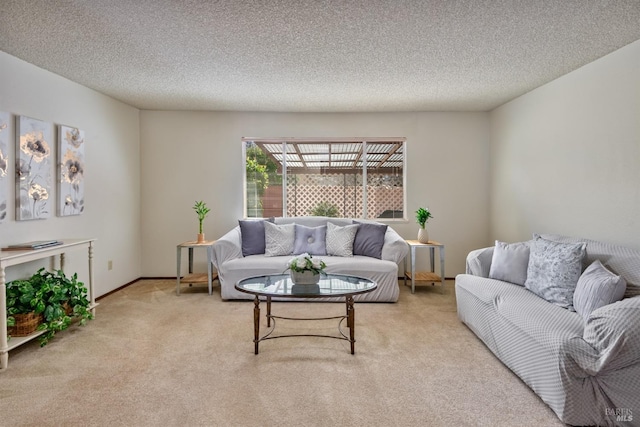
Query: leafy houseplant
(56, 296)
(24, 301)
(422, 216)
(201, 210)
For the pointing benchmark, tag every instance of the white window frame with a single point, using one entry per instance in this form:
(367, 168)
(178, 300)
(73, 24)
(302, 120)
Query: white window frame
(288, 140)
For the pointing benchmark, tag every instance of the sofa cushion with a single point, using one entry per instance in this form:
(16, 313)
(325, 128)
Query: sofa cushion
(554, 269)
(369, 239)
(510, 262)
(596, 288)
(252, 233)
(310, 240)
(340, 239)
(278, 239)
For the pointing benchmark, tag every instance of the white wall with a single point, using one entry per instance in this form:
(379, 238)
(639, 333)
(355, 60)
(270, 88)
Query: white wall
(565, 158)
(189, 156)
(112, 173)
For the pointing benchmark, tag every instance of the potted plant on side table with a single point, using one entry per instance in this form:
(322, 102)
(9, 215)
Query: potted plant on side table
(422, 216)
(201, 210)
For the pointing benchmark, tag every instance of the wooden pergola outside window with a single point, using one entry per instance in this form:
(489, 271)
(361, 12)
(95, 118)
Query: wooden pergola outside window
(325, 176)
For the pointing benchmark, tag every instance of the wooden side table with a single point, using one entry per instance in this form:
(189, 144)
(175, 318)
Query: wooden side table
(191, 278)
(424, 276)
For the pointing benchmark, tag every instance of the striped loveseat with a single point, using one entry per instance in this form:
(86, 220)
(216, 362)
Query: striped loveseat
(587, 371)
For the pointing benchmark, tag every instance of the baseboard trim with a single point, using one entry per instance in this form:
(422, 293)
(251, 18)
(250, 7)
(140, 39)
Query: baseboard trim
(118, 289)
(174, 278)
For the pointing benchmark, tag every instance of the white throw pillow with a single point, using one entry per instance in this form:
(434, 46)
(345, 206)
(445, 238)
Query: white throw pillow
(596, 288)
(340, 239)
(510, 262)
(278, 239)
(554, 269)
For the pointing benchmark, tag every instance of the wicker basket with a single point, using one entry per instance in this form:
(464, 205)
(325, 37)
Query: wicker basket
(25, 324)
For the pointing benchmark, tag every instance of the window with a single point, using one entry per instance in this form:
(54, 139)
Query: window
(352, 178)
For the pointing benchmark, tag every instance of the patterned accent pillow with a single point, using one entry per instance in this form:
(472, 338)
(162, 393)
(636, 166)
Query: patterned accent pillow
(310, 240)
(554, 270)
(510, 262)
(278, 239)
(596, 288)
(340, 239)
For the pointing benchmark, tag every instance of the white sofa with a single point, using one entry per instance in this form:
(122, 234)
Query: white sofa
(585, 366)
(232, 266)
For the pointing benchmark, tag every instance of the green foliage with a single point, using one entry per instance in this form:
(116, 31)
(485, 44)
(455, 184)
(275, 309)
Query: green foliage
(422, 216)
(201, 210)
(325, 209)
(49, 293)
(257, 173)
(261, 171)
(270, 167)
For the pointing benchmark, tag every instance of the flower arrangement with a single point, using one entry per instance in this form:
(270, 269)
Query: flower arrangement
(305, 262)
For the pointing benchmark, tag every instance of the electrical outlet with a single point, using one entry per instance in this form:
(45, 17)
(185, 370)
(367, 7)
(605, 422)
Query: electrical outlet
(110, 265)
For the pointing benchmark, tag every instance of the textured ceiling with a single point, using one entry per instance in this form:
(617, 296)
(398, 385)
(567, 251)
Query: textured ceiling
(315, 55)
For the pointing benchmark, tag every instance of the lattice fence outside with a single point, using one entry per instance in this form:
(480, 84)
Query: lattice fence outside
(306, 192)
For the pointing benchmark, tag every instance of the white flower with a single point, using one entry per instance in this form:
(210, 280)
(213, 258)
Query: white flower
(301, 263)
(316, 263)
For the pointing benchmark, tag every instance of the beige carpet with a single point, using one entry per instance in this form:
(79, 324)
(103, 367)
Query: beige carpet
(151, 358)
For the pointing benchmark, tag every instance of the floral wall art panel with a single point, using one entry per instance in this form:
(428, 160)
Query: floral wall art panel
(4, 162)
(70, 171)
(33, 168)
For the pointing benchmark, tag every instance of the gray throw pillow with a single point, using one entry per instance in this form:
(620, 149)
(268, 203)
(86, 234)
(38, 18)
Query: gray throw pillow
(510, 262)
(554, 269)
(278, 239)
(340, 239)
(369, 239)
(252, 235)
(310, 240)
(596, 288)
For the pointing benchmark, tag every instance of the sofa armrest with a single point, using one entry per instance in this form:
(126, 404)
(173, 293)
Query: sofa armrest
(479, 262)
(227, 247)
(613, 331)
(395, 248)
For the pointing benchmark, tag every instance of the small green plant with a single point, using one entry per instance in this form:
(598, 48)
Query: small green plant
(422, 216)
(325, 209)
(202, 210)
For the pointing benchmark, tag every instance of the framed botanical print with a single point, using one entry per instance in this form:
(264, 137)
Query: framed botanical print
(33, 168)
(70, 171)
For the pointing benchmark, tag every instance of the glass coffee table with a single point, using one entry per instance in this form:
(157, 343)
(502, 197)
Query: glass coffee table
(280, 286)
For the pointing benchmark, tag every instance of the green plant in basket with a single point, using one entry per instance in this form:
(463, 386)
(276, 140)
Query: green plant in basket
(22, 298)
(59, 298)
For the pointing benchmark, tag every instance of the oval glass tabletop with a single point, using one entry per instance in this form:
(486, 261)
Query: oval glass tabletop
(281, 285)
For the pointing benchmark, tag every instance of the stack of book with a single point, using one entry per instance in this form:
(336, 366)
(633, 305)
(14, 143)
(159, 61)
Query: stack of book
(37, 244)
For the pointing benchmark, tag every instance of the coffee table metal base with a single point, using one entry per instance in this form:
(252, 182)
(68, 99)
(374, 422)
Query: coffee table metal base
(271, 323)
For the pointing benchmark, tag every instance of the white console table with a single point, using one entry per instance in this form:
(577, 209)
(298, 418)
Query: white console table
(9, 258)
